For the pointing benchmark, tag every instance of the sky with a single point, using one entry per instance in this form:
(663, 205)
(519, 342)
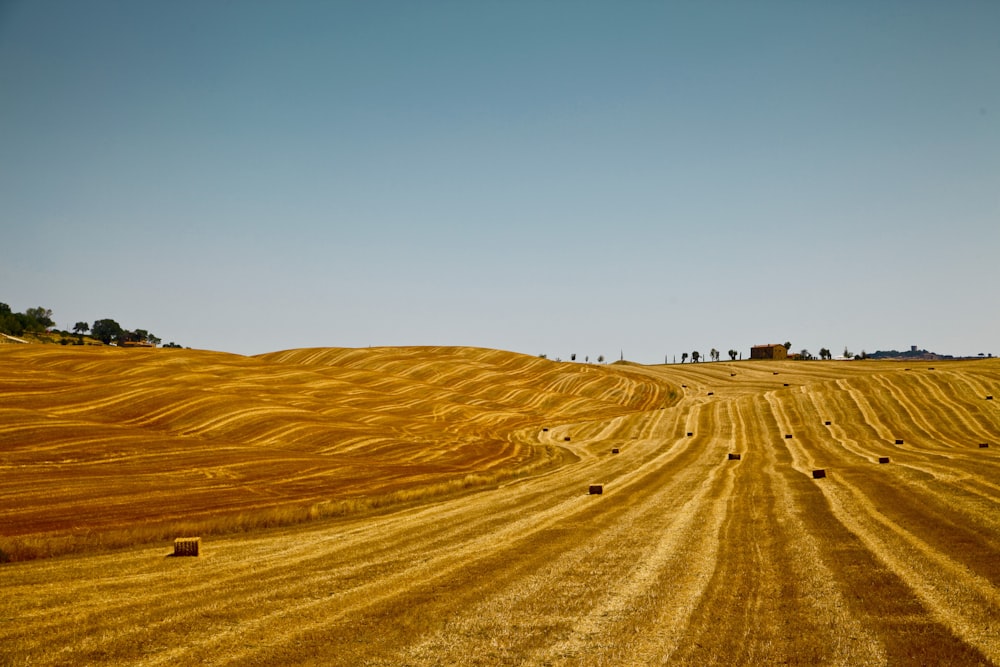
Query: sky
(627, 179)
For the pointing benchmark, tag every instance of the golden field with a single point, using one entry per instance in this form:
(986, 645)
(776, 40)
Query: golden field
(430, 506)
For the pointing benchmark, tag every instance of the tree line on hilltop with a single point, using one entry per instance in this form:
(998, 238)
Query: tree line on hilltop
(824, 354)
(715, 355)
(39, 321)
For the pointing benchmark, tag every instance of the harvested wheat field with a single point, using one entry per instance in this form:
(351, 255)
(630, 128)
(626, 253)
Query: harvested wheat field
(434, 506)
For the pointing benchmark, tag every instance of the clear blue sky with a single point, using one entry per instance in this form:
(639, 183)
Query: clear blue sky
(542, 177)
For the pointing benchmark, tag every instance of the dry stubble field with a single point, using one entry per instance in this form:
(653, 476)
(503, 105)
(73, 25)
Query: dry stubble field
(429, 506)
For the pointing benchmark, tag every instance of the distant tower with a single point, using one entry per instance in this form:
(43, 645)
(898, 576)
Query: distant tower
(913, 348)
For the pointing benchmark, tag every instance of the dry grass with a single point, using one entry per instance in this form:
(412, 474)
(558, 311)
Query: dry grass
(104, 448)
(685, 562)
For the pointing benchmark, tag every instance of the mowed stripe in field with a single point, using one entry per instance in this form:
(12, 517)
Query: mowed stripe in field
(687, 558)
(180, 434)
(408, 543)
(935, 535)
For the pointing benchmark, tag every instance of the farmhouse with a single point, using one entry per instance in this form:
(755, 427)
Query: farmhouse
(768, 352)
(134, 343)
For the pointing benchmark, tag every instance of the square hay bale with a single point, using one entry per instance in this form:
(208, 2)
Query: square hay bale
(614, 450)
(566, 439)
(819, 474)
(788, 436)
(711, 393)
(827, 423)
(187, 546)
(786, 384)
(989, 398)
(690, 434)
(734, 457)
(899, 441)
(883, 459)
(984, 445)
(545, 429)
(596, 489)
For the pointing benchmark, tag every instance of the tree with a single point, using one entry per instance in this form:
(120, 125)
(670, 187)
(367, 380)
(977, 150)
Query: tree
(847, 353)
(106, 330)
(39, 318)
(684, 356)
(805, 354)
(81, 328)
(732, 354)
(9, 322)
(788, 346)
(600, 359)
(714, 354)
(825, 353)
(695, 356)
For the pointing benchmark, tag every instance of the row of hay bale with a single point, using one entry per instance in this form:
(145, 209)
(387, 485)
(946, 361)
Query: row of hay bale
(819, 473)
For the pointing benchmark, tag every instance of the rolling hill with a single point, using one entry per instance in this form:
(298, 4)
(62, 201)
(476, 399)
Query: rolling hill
(713, 541)
(100, 446)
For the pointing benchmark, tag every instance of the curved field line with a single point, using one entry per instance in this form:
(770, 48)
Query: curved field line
(963, 601)
(686, 558)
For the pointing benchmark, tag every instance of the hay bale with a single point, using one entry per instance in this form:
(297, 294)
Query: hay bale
(690, 434)
(711, 393)
(883, 459)
(819, 474)
(566, 439)
(931, 368)
(826, 423)
(614, 450)
(544, 430)
(984, 445)
(989, 398)
(786, 384)
(788, 436)
(596, 489)
(734, 457)
(899, 441)
(187, 546)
